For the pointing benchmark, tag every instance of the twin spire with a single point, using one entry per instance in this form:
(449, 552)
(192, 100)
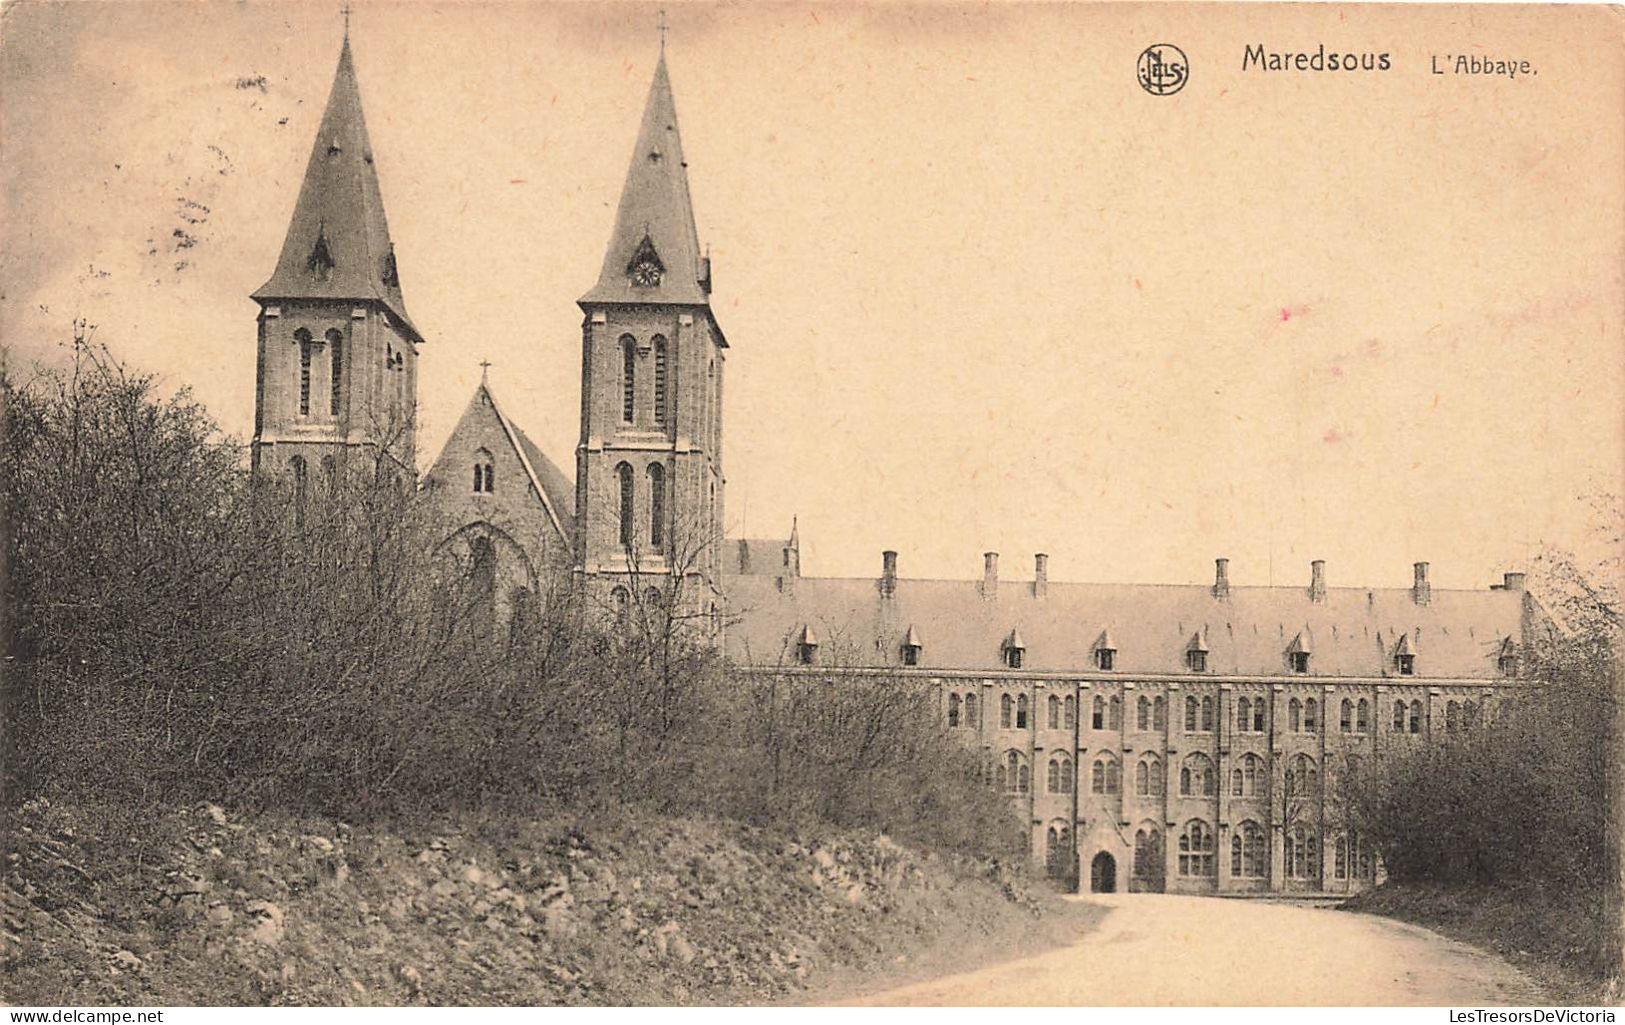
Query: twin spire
(338, 244)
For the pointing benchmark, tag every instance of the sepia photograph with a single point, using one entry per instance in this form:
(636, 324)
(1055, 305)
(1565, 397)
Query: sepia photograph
(855, 503)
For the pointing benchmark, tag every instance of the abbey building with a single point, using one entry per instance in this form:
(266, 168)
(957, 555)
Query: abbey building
(1198, 738)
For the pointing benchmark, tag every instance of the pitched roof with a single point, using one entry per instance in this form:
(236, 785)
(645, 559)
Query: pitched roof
(550, 484)
(1459, 634)
(339, 217)
(655, 207)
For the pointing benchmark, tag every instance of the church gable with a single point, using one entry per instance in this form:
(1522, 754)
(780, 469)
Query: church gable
(489, 473)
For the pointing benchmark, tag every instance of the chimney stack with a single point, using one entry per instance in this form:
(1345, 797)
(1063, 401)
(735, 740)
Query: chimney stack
(1421, 590)
(1317, 581)
(1221, 578)
(990, 574)
(1040, 575)
(1513, 581)
(888, 574)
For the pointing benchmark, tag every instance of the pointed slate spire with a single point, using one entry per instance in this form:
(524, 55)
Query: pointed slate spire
(654, 253)
(338, 244)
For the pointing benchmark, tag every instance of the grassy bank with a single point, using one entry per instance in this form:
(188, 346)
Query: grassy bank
(196, 907)
(1555, 935)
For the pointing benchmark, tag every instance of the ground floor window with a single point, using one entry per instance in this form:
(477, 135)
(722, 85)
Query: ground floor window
(1248, 858)
(1300, 854)
(1196, 849)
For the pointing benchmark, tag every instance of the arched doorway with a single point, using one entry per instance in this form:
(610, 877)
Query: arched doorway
(1103, 874)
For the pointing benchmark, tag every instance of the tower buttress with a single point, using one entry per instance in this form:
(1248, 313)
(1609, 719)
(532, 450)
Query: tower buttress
(337, 366)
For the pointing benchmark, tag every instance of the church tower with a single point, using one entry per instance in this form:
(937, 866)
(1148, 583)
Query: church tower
(337, 369)
(649, 483)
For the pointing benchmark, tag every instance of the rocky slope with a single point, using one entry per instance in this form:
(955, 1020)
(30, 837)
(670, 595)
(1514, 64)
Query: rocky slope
(193, 907)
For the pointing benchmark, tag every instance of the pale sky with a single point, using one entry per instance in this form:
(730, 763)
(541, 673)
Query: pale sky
(983, 292)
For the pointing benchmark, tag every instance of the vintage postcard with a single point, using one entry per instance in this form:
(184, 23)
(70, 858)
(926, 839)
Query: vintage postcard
(918, 504)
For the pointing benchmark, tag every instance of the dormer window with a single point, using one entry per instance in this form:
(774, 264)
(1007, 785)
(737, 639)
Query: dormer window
(1015, 650)
(1405, 656)
(807, 646)
(1196, 653)
(911, 648)
(1105, 652)
(1506, 661)
(1297, 653)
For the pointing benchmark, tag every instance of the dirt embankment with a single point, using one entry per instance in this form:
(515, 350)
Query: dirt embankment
(1565, 936)
(194, 907)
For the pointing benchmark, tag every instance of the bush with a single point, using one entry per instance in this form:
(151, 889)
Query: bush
(185, 633)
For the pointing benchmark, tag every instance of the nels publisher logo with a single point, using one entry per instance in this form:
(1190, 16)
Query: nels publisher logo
(1163, 69)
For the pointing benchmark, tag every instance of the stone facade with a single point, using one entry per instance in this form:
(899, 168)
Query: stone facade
(1191, 738)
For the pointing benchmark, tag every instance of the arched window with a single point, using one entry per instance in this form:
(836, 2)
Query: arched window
(484, 472)
(1196, 777)
(1207, 715)
(1142, 717)
(1054, 706)
(306, 348)
(1196, 849)
(629, 378)
(1345, 718)
(1235, 782)
(1190, 715)
(1416, 716)
(335, 350)
(1300, 853)
(1148, 778)
(1247, 857)
(1070, 712)
(1362, 716)
(970, 710)
(652, 600)
(1098, 719)
(1115, 712)
(1452, 717)
(1399, 717)
(657, 506)
(1005, 707)
(1244, 711)
(1294, 715)
(1252, 770)
(1159, 713)
(1021, 712)
(623, 476)
(953, 710)
(1060, 774)
(1258, 715)
(1340, 858)
(1311, 716)
(1105, 776)
(1015, 773)
(1148, 862)
(1302, 778)
(1469, 715)
(660, 380)
(621, 598)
